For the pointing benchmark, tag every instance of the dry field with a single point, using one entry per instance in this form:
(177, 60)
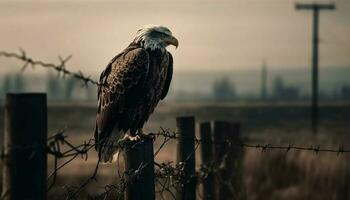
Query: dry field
(266, 175)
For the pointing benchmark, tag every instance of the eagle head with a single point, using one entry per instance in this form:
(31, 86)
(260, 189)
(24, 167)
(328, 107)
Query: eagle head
(155, 37)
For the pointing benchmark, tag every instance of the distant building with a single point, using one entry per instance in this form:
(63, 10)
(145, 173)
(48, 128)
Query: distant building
(224, 90)
(13, 83)
(345, 92)
(282, 92)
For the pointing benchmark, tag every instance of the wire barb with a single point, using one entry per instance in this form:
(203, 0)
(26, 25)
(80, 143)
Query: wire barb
(60, 67)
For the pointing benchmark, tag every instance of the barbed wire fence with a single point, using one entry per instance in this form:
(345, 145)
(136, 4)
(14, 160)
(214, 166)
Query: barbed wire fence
(60, 67)
(169, 176)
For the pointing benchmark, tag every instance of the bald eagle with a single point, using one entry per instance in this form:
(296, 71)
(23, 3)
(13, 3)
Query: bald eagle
(132, 84)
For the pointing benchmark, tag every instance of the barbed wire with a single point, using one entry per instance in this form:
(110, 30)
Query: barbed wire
(314, 148)
(60, 67)
(263, 147)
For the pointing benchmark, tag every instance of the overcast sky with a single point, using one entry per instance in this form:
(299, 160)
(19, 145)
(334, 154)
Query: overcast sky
(213, 35)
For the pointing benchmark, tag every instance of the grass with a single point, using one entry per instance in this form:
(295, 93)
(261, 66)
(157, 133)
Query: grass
(266, 175)
(297, 175)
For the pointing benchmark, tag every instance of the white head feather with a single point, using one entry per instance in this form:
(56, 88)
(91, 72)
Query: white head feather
(145, 37)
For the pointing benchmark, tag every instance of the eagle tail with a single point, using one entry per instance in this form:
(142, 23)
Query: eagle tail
(108, 147)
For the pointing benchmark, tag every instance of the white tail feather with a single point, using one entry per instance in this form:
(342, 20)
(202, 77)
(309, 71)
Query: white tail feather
(109, 147)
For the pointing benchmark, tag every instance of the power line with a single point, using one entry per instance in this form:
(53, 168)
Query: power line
(316, 8)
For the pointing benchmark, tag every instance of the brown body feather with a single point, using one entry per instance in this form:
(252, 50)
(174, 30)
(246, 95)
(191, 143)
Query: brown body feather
(133, 84)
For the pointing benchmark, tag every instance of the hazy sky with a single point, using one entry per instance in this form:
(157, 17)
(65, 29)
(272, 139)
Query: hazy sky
(213, 35)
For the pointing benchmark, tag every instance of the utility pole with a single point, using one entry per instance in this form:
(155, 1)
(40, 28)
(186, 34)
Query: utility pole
(315, 8)
(264, 81)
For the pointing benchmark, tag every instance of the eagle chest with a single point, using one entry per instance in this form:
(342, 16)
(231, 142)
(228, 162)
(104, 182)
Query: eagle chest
(157, 76)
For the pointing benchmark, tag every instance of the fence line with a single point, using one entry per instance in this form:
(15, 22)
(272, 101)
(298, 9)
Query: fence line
(82, 149)
(314, 148)
(165, 170)
(168, 176)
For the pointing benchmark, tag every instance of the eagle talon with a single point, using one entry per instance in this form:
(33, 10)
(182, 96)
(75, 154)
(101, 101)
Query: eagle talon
(122, 142)
(127, 139)
(142, 135)
(135, 138)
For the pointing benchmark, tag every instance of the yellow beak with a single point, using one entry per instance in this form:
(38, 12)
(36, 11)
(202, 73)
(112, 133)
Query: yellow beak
(172, 40)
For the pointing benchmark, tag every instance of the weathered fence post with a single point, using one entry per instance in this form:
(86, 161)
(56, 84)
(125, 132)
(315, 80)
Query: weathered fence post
(207, 160)
(139, 165)
(220, 129)
(219, 132)
(25, 163)
(232, 173)
(228, 156)
(186, 156)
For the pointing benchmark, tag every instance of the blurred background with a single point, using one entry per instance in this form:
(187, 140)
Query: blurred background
(247, 61)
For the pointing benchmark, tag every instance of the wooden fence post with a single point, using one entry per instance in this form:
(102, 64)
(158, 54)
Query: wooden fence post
(220, 148)
(232, 173)
(228, 155)
(139, 157)
(186, 155)
(219, 132)
(207, 159)
(25, 163)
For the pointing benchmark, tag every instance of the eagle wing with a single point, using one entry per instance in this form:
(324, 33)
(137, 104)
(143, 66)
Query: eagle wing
(168, 77)
(122, 83)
